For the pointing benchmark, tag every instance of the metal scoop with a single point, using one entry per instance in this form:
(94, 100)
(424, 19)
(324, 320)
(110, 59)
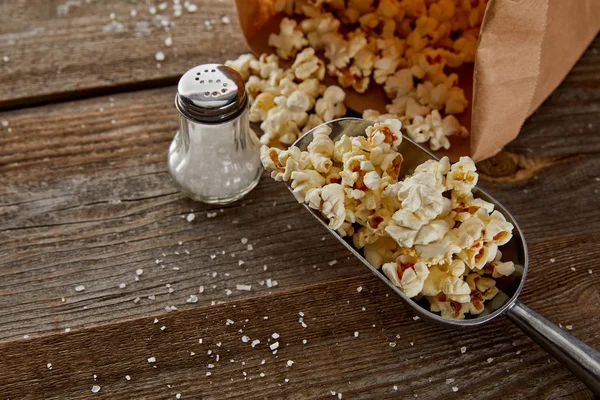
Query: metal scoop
(581, 359)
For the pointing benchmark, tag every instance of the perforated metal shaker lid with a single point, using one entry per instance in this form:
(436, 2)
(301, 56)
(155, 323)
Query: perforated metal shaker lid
(211, 93)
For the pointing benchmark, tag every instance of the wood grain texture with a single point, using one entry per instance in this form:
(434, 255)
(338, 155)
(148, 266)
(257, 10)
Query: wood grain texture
(56, 51)
(425, 361)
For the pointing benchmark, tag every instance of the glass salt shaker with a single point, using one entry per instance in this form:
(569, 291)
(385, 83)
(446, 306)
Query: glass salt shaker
(215, 155)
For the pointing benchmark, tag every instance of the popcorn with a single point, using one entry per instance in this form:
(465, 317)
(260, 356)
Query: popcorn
(427, 232)
(261, 106)
(381, 251)
(242, 65)
(497, 268)
(462, 177)
(407, 273)
(316, 28)
(331, 105)
(321, 149)
(289, 40)
(308, 65)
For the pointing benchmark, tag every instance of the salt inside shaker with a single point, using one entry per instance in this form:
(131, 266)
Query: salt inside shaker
(215, 155)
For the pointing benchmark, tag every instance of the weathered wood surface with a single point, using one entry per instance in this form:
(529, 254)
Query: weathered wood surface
(85, 199)
(423, 361)
(59, 49)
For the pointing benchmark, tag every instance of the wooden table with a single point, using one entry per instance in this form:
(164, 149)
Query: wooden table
(85, 199)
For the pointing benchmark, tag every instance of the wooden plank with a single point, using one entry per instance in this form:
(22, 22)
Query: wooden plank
(88, 201)
(423, 359)
(61, 49)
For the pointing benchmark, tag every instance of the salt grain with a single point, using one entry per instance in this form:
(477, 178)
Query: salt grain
(122, 285)
(139, 271)
(225, 19)
(290, 363)
(395, 388)
(244, 240)
(356, 334)
(392, 344)
(255, 343)
(245, 339)
(152, 360)
(95, 389)
(67, 330)
(274, 345)
(275, 335)
(455, 389)
(359, 289)
(229, 322)
(241, 262)
(569, 327)
(190, 217)
(178, 396)
(304, 341)
(152, 10)
(243, 287)
(79, 288)
(162, 328)
(463, 349)
(127, 377)
(156, 320)
(192, 299)
(49, 366)
(332, 263)
(552, 260)
(489, 360)
(192, 8)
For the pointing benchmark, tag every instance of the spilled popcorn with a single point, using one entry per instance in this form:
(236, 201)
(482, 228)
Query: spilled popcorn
(427, 232)
(409, 47)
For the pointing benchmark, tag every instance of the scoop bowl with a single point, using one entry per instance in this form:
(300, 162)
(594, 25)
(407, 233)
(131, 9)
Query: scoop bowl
(580, 358)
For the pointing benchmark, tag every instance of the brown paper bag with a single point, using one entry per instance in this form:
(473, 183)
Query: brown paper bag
(526, 47)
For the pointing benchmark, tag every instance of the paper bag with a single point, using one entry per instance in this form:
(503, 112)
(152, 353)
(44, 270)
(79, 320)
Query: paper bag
(526, 47)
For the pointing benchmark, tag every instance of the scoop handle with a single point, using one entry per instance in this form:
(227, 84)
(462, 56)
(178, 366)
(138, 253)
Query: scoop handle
(582, 360)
